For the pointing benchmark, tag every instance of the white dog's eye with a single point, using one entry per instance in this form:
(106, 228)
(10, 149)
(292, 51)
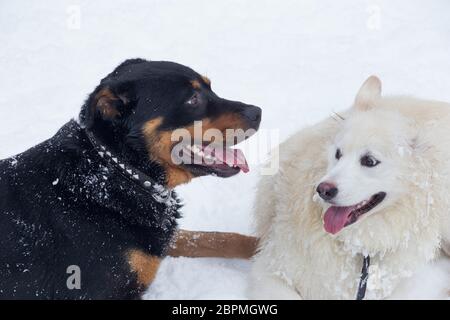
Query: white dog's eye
(338, 154)
(369, 161)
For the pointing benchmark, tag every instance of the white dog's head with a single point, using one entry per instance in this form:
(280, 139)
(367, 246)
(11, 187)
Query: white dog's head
(368, 164)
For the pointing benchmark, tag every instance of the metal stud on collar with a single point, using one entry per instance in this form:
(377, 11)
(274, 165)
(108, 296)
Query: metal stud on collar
(129, 172)
(162, 193)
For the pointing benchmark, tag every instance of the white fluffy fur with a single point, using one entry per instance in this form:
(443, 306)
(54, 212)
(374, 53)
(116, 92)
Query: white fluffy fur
(298, 259)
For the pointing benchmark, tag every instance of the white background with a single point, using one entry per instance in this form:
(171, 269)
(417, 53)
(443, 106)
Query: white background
(298, 60)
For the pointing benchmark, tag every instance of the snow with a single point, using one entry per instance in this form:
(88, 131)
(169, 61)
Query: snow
(299, 60)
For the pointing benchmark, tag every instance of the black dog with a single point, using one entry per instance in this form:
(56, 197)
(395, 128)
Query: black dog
(89, 213)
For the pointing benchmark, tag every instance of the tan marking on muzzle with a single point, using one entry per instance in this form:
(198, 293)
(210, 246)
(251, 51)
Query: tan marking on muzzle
(159, 147)
(159, 143)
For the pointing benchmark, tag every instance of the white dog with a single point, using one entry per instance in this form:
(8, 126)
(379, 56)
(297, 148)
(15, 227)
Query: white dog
(373, 182)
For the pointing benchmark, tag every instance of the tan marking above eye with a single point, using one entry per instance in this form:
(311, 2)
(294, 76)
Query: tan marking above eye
(196, 84)
(206, 80)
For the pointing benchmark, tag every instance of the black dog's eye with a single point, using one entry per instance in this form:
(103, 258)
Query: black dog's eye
(369, 161)
(194, 100)
(338, 154)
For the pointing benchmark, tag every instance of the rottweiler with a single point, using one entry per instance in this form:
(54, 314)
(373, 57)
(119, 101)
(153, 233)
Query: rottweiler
(90, 212)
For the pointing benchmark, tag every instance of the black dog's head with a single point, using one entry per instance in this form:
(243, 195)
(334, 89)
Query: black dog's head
(141, 104)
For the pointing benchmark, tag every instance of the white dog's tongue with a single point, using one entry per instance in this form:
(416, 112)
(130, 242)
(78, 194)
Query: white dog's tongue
(335, 218)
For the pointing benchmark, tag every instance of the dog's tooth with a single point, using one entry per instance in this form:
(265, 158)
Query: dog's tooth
(103, 147)
(129, 171)
(135, 176)
(102, 154)
(122, 165)
(108, 153)
(115, 160)
(197, 151)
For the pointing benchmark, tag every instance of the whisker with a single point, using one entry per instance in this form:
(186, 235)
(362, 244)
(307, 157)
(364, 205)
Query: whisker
(338, 115)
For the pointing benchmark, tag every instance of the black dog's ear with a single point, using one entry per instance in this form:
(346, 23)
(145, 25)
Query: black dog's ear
(113, 99)
(108, 103)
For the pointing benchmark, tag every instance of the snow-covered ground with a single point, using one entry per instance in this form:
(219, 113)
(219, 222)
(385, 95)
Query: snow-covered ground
(299, 60)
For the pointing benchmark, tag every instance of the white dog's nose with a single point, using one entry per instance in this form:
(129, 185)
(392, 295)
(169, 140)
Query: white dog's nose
(327, 190)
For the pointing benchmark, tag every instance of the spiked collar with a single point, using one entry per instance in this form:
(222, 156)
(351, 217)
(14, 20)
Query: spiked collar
(159, 192)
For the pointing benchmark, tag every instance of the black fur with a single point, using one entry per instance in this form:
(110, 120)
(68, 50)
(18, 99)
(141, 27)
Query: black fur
(61, 204)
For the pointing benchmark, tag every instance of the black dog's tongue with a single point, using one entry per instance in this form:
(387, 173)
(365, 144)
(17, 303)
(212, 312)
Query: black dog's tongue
(232, 157)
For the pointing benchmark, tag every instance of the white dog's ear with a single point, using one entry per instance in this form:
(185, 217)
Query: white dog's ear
(368, 94)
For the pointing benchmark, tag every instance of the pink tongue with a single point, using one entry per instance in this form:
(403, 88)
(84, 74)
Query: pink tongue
(232, 157)
(335, 218)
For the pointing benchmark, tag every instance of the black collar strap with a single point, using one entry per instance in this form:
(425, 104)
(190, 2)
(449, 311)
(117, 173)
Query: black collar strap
(159, 192)
(364, 277)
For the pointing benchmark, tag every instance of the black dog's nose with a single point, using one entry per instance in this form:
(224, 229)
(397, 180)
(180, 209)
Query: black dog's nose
(327, 190)
(253, 115)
